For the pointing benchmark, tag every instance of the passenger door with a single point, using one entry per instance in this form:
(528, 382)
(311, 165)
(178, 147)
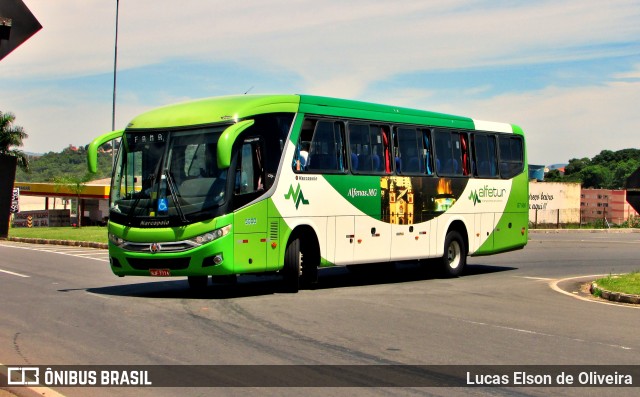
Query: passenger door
(250, 223)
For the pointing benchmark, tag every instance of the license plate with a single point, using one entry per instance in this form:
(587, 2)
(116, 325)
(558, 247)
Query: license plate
(160, 272)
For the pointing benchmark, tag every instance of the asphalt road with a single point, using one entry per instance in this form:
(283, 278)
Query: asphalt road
(67, 308)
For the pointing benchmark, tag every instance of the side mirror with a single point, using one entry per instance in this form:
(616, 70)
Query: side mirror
(225, 143)
(92, 150)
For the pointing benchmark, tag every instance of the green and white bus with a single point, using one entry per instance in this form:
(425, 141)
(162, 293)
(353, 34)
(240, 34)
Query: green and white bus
(292, 183)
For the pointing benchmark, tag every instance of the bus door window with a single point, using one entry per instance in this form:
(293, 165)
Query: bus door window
(250, 167)
(326, 151)
(484, 154)
(273, 129)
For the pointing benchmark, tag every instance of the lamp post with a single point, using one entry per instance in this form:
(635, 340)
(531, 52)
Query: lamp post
(115, 69)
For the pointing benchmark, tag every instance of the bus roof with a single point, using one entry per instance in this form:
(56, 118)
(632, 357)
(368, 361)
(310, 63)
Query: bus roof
(236, 107)
(374, 111)
(214, 110)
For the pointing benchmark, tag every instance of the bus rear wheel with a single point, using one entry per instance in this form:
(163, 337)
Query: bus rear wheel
(292, 268)
(454, 259)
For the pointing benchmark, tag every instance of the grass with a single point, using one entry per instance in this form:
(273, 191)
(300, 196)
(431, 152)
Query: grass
(625, 283)
(96, 234)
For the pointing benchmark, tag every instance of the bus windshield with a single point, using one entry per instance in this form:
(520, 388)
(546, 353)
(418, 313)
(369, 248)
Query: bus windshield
(167, 177)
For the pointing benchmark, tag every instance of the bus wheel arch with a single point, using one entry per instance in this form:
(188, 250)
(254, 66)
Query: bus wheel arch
(301, 259)
(456, 249)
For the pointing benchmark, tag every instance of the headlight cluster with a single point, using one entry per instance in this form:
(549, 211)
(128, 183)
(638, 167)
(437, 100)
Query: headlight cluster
(212, 235)
(116, 240)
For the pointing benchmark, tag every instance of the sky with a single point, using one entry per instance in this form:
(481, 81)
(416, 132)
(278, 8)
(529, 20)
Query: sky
(567, 72)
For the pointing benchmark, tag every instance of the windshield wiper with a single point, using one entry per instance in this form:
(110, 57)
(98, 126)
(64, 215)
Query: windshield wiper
(172, 190)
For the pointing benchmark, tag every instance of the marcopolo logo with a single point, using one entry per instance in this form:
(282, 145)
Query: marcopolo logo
(486, 192)
(296, 196)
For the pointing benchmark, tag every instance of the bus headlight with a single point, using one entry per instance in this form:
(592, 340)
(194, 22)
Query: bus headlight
(116, 240)
(211, 236)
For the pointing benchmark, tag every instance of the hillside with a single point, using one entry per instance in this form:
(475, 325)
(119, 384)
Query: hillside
(68, 163)
(606, 170)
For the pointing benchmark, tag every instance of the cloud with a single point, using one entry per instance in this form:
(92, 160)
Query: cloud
(358, 49)
(337, 44)
(562, 123)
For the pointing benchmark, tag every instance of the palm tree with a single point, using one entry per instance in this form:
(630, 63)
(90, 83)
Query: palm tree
(11, 136)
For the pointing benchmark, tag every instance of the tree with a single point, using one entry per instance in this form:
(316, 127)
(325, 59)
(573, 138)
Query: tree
(597, 177)
(622, 171)
(576, 165)
(11, 136)
(76, 185)
(553, 176)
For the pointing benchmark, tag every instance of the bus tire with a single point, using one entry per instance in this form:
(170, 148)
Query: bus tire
(292, 267)
(454, 259)
(229, 279)
(198, 283)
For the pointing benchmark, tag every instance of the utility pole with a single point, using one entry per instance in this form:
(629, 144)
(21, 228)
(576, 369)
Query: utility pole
(115, 70)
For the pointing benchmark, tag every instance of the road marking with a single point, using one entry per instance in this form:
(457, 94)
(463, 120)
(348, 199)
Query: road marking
(594, 240)
(536, 278)
(527, 331)
(98, 295)
(78, 253)
(554, 286)
(14, 274)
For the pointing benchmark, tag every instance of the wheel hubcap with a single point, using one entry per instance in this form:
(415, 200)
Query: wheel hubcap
(453, 254)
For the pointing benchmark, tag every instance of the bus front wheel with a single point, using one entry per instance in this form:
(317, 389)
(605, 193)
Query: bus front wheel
(454, 258)
(198, 283)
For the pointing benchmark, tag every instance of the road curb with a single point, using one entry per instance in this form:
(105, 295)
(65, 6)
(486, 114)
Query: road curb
(614, 296)
(89, 244)
(613, 231)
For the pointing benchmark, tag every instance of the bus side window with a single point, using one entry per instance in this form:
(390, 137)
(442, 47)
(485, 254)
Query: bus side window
(448, 153)
(464, 147)
(326, 150)
(301, 156)
(369, 148)
(386, 150)
(380, 155)
(411, 151)
(428, 154)
(511, 155)
(484, 154)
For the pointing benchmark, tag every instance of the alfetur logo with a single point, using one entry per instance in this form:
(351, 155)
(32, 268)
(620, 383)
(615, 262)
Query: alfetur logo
(296, 195)
(486, 192)
(474, 197)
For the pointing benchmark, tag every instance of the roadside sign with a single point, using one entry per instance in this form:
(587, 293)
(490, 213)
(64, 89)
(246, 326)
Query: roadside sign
(17, 24)
(15, 201)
